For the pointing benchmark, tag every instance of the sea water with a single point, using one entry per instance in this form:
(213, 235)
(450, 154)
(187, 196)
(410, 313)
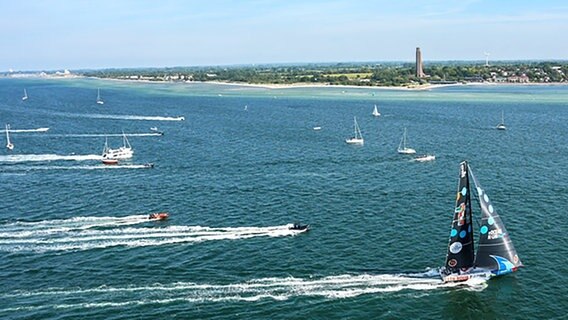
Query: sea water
(75, 241)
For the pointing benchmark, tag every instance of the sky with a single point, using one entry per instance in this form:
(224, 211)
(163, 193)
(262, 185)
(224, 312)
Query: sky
(97, 34)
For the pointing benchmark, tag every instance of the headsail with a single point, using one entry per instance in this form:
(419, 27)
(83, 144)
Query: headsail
(460, 248)
(495, 249)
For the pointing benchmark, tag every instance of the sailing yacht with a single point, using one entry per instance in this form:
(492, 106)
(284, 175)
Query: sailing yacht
(25, 97)
(99, 100)
(402, 148)
(376, 112)
(495, 254)
(9, 145)
(123, 152)
(501, 126)
(357, 137)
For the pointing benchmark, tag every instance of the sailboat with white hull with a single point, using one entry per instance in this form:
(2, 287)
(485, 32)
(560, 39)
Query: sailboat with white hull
(9, 145)
(495, 254)
(25, 97)
(124, 152)
(357, 136)
(99, 100)
(402, 148)
(376, 112)
(501, 126)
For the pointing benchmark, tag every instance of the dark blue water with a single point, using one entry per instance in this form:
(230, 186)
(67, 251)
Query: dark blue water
(75, 241)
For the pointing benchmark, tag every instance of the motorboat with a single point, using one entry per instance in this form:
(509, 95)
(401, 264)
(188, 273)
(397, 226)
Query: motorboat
(158, 216)
(425, 158)
(298, 227)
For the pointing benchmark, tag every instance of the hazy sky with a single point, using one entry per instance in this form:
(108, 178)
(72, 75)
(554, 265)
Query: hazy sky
(57, 34)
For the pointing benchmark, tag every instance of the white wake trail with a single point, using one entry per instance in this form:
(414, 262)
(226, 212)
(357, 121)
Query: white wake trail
(330, 287)
(26, 130)
(65, 237)
(47, 157)
(132, 117)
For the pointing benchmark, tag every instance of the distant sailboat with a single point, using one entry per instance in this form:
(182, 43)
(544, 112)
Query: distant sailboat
(376, 112)
(99, 100)
(9, 145)
(402, 148)
(501, 126)
(25, 97)
(357, 137)
(246, 107)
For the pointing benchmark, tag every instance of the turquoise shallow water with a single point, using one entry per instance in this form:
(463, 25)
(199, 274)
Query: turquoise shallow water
(74, 241)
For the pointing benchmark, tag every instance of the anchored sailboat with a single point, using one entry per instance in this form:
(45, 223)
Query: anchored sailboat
(501, 126)
(402, 148)
(99, 100)
(25, 97)
(376, 112)
(496, 254)
(357, 137)
(9, 145)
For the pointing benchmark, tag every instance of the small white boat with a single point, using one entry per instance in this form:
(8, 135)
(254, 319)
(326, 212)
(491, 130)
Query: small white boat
(124, 152)
(357, 137)
(402, 148)
(425, 158)
(246, 107)
(25, 97)
(99, 100)
(501, 126)
(317, 128)
(376, 112)
(9, 145)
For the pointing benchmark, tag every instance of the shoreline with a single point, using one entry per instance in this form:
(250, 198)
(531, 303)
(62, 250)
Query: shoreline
(270, 86)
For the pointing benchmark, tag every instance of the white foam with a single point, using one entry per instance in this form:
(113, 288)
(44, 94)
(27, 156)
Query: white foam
(26, 130)
(47, 157)
(87, 135)
(93, 167)
(330, 287)
(132, 117)
(81, 236)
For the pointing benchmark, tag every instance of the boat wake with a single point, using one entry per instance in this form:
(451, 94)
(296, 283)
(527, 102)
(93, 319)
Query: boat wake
(130, 117)
(87, 135)
(93, 167)
(27, 130)
(330, 287)
(86, 233)
(47, 157)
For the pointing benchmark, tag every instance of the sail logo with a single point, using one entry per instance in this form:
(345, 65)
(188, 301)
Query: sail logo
(462, 170)
(456, 247)
(460, 210)
(495, 234)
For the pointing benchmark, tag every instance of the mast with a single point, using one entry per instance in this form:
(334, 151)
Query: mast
(495, 250)
(460, 253)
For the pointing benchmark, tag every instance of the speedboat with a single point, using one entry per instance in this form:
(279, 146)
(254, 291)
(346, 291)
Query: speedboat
(424, 158)
(298, 227)
(158, 216)
(149, 165)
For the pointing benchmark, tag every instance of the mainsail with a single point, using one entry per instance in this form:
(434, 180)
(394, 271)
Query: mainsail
(460, 248)
(495, 249)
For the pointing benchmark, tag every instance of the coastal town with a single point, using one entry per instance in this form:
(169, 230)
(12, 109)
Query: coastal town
(389, 74)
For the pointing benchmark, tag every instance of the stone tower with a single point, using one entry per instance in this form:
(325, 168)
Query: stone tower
(419, 71)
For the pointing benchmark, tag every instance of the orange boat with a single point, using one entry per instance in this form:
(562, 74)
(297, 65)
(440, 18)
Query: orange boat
(158, 216)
